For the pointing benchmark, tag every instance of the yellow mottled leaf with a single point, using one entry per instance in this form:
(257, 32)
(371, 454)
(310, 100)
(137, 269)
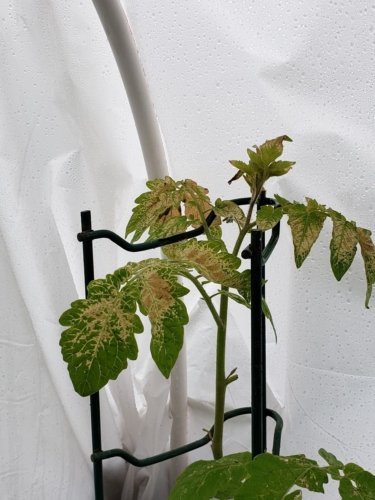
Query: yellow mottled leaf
(268, 216)
(229, 211)
(209, 259)
(343, 244)
(159, 297)
(100, 336)
(368, 254)
(306, 222)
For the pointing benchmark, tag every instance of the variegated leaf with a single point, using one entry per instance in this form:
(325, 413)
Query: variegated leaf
(159, 297)
(197, 203)
(268, 216)
(229, 211)
(343, 244)
(155, 207)
(170, 207)
(209, 259)
(262, 164)
(306, 222)
(368, 254)
(100, 336)
(271, 149)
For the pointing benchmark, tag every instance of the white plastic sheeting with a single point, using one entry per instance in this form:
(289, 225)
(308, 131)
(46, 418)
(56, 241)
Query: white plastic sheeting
(222, 76)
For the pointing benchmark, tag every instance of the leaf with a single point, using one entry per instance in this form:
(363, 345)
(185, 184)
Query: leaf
(100, 336)
(279, 168)
(237, 298)
(155, 207)
(295, 495)
(368, 254)
(271, 149)
(209, 259)
(229, 211)
(268, 217)
(169, 207)
(262, 164)
(197, 203)
(267, 313)
(272, 477)
(343, 244)
(209, 479)
(159, 299)
(269, 477)
(282, 201)
(357, 483)
(241, 165)
(306, 222)
(334, 465)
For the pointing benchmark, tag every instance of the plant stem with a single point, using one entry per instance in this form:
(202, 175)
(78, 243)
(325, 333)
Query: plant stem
(217, 440)
(206, 298)
(221, 382)
(246, 226)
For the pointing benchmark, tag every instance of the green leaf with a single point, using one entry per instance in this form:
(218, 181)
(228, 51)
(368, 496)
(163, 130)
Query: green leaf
(295, 495)
(368, 254)
(205, 480)
(269, 477)
(267, 313)
(334, 465)
(100, 336)
(282, 201)
(357, 483)
(279, 168)
(262, 164)
(306, 222)
(272, 477)
(271, 149)
(241, 165)
(237, 298)
(343, 244)
(268, 216)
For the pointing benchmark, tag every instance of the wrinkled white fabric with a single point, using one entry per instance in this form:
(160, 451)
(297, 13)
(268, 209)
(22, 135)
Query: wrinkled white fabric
(222, 76)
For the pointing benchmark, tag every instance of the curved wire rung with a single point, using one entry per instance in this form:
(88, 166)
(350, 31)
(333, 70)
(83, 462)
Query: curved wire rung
(161, 457)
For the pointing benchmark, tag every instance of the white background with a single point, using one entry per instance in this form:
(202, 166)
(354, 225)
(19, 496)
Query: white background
(222, 76)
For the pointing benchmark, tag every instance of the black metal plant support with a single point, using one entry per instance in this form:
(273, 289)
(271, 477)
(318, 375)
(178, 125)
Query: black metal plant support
(258, 253)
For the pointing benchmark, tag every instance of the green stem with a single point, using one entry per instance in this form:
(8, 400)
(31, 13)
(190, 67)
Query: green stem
(221, 381)
(205, 297)
(221, 384)
(246, 226)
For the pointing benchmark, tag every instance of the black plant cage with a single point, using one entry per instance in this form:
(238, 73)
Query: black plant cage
(258, 252)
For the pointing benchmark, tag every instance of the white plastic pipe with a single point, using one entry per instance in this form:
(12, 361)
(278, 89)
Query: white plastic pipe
(117, 27)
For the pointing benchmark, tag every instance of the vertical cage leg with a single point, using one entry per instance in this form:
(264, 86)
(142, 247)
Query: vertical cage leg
(258, 367)
(88, 263)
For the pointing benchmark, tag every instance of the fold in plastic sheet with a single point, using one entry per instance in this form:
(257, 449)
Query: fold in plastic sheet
(223, 76)
(60, 154)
